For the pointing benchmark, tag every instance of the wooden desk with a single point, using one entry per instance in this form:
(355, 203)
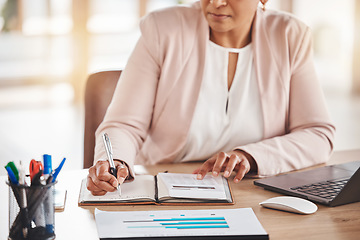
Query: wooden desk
(341, 222)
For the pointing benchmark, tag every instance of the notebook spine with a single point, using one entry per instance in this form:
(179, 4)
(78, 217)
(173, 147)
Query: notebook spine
(156, 189)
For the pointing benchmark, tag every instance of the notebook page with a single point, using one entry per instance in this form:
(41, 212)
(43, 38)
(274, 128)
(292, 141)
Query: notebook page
(187, 186)
(141, 188)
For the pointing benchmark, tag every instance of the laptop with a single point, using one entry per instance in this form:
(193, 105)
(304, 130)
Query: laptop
(331, 185)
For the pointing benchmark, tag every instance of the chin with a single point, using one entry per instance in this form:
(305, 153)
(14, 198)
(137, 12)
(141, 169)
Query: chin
(219, 29)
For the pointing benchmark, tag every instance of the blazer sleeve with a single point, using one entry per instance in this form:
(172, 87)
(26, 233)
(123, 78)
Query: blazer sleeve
(129, 114)
(309, 132)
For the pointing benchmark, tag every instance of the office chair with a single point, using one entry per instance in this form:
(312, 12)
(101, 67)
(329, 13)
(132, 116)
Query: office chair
(99, 90)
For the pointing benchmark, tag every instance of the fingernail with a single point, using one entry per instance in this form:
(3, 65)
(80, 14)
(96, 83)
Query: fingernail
(236, 180)
(226, 173)
(199, 176)
(121, 180)
(116, 184)
(215, 173)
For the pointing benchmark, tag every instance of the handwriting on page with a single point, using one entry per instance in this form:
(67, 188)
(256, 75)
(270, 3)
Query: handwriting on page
(187, 185)
(180, 180)
(141, 188)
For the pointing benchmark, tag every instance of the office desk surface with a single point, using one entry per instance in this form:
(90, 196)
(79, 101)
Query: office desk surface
(75, 222)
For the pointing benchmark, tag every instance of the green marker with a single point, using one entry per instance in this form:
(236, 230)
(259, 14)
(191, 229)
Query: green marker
(14, 169)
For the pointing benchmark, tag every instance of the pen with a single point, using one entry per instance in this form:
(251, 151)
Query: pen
(57, 170)
(109, 153)
(23, 203)
(22, 173)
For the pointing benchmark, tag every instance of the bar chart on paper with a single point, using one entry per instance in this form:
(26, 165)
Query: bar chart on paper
(177, 223)
(181, 222)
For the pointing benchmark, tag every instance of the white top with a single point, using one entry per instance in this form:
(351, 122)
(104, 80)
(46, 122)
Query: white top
(225, 119)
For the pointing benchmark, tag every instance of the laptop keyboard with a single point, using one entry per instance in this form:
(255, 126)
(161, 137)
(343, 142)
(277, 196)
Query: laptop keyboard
(327, 189)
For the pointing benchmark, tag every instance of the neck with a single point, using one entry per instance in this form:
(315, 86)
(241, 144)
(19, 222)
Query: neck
(229, 41)
(238, 38)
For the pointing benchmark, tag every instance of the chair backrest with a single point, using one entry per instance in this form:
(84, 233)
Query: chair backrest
(99, 90)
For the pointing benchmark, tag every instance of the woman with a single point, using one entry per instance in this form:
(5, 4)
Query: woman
(221, 81)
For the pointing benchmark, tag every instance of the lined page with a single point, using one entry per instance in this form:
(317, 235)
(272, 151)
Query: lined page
(142, 188)
(187, 186)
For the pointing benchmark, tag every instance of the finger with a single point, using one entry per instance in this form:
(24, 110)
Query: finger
(233, 161)
(244, 167)
(196, 171)
(99, 193)
(90, 182)
(122, 171)
(91, 186)
(205, 168)
(220, 160)
(102, 177)
(109, 185)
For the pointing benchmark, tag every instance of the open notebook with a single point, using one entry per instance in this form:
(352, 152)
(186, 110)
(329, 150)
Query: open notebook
(164, 188)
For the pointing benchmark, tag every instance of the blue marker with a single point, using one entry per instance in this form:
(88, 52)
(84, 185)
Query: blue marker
(14, 169)
(47, 165)
(12, 176)
(49, 200)
(58, 169)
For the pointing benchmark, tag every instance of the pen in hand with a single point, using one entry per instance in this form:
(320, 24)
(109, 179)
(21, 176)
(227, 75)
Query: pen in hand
(108, 149)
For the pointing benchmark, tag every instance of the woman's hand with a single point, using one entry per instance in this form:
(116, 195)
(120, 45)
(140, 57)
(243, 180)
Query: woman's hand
(99, 179)
(238, 161)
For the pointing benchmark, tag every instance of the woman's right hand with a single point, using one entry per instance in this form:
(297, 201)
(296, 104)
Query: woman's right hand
(100, 180)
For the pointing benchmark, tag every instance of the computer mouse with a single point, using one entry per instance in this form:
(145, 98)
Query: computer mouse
(290, 204)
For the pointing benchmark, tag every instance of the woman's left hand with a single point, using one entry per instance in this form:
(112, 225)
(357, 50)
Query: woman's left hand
(236, 160)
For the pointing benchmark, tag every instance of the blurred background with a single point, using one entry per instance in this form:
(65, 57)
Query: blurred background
(49, 47)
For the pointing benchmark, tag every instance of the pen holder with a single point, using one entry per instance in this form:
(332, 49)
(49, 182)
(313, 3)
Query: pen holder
(31, 212)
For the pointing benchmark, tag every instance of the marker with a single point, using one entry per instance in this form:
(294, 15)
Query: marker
(49, 200)
(47, 165)
(57, 170)
(14, 169)
(11, 175)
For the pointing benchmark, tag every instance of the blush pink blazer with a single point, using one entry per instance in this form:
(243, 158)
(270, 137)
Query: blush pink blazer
(155, 98)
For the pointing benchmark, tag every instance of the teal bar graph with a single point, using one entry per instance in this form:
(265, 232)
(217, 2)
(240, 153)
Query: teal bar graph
(204, 226)
(180, 223)
(178, 219)
(189, 219)
(184, 227)
(188, 223)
